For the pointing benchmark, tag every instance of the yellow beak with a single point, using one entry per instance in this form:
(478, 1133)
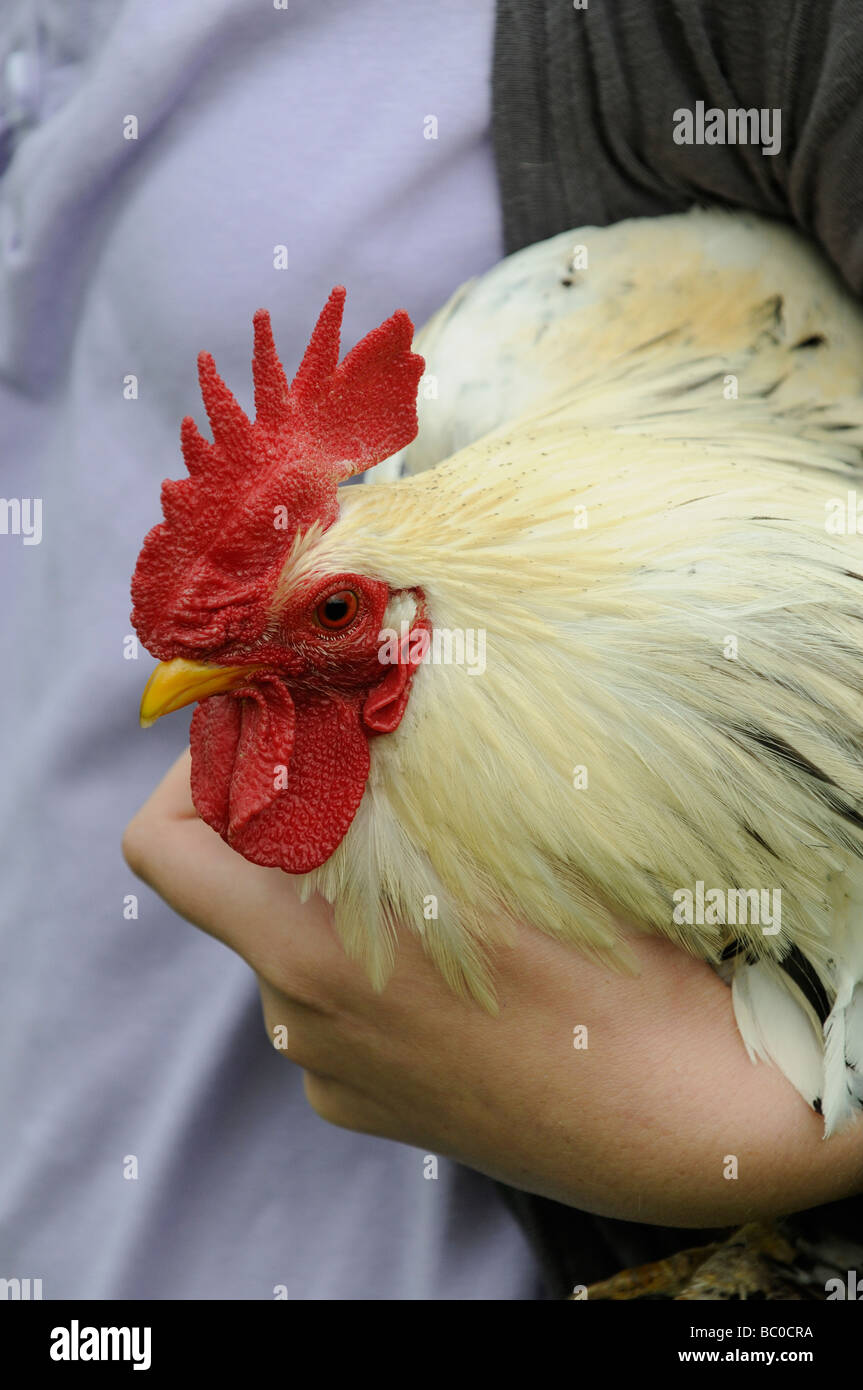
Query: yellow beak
(176, 683)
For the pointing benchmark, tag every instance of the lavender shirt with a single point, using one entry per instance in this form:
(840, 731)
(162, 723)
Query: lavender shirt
(135, 1043)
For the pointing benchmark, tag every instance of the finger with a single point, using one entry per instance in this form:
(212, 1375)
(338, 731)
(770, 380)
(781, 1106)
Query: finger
(254, 910)
(173, 796)
(188, 864)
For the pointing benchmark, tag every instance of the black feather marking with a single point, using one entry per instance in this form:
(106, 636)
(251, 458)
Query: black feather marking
(660, 338)
(832, 799)
(768, 390)
(769, 314)
(772, 308)
(759, 840)
(736, 948)
(816, 1106)
(774, 744)
(702, 381)
(814, 340)
(849, 813)
(775, 305)
(808, 981)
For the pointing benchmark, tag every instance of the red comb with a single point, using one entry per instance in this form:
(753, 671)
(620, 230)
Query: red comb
(206, 573)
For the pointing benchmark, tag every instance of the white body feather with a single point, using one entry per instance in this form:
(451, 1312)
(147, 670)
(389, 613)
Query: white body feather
(696, 391)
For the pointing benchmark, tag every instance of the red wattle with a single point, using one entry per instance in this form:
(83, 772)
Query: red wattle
(240, 745)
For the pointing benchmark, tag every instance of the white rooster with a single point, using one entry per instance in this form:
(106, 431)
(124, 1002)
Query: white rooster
(647, 440)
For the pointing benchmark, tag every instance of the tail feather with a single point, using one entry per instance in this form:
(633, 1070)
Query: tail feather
(777, 1027)
(854, 1044)
(777, 1023)
(839, 1100)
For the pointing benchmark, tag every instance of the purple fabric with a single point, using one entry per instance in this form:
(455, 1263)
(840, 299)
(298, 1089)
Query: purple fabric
(141, 1037)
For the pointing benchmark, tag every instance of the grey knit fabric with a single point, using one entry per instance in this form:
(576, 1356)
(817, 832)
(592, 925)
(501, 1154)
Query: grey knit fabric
(584, 104)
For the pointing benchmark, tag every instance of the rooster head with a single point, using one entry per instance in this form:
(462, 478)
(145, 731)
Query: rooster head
(290, 683)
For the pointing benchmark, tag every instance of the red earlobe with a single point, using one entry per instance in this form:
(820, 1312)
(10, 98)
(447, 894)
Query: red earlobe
(386, 703)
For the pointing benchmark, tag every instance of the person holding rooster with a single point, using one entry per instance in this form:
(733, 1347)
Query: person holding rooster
(506, 1097)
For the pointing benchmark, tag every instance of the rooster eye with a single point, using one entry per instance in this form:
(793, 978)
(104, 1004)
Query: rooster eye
(337, 610)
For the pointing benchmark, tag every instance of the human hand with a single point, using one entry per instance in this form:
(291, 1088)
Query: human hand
(639, 1124)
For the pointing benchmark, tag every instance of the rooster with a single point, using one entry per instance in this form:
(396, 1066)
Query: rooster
(634, 476)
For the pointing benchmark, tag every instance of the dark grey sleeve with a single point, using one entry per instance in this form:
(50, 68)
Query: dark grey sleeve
(587, 103)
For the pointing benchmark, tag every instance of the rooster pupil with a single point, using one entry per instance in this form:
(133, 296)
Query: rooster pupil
(338, 610)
